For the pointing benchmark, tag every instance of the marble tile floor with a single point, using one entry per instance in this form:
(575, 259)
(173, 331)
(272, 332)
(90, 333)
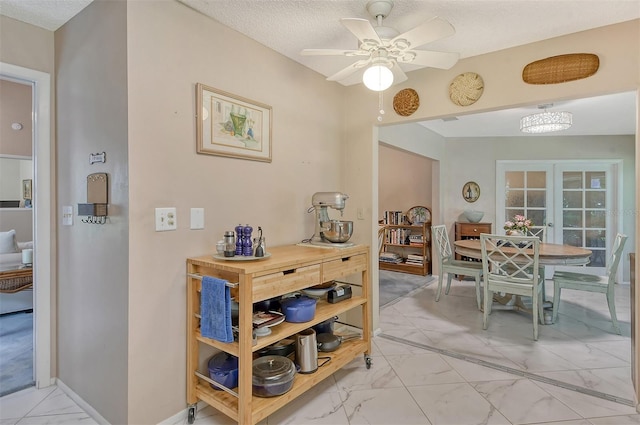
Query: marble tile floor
(411, 384)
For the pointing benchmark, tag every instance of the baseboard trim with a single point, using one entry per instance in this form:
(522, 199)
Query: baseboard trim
(83, 404)
(181, 416)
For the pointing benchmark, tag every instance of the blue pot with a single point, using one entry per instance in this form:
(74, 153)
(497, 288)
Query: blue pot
(223, 368)
(298, 309)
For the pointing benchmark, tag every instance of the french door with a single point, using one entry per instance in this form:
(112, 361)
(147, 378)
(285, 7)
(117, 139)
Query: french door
(573, 200)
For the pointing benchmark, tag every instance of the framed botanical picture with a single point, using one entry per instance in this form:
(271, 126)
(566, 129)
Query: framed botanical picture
(26, 189)
(232, 126)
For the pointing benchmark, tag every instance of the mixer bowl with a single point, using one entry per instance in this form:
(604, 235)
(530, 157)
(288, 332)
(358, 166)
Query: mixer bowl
(337, 231)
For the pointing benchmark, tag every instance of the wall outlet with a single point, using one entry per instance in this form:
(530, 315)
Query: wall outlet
(197, 218)
(166, 219)
(360, 213)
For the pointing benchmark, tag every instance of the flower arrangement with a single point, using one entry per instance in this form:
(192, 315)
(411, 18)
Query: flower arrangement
(519, 224)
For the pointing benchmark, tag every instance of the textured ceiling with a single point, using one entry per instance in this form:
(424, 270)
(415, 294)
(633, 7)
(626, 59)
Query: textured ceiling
(482, 26)
(47, 14)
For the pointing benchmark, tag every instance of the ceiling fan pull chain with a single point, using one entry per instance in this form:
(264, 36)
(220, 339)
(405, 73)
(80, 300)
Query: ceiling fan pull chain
(380, 106)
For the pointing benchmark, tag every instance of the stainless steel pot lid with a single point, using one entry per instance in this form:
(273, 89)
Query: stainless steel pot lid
(272, 368)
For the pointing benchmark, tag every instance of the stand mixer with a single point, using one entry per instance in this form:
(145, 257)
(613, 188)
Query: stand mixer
(329, 232)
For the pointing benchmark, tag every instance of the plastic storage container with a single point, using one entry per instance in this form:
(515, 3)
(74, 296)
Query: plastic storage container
(223, 368)
(298, 309)
(272, 376)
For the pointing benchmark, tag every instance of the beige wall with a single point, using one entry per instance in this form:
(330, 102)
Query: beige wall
(135, 293)
(26, 45)
(15, 107)
(91, 59)
(404, 180)
(171, 48)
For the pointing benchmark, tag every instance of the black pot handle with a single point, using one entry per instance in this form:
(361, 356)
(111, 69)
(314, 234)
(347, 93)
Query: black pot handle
(326, 359)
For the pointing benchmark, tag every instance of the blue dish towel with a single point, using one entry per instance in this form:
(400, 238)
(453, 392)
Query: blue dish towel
(215, 309)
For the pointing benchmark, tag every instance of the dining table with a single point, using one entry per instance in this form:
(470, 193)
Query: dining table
(550, 255)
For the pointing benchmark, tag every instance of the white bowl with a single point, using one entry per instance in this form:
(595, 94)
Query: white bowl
(473, 216)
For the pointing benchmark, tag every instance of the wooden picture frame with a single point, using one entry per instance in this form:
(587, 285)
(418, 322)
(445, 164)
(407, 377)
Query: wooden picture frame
(232, 126)
(26, 189)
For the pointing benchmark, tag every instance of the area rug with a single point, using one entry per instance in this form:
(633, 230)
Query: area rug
(396, 285)
(16, 352)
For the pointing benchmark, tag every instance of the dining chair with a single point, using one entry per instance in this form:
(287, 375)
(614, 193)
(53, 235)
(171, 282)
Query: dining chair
(510, 265)
(539, 231)
(451, 266)
(592, 283)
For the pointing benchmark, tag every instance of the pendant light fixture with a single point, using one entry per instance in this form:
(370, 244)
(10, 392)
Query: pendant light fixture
(379, 77)
(546, 122)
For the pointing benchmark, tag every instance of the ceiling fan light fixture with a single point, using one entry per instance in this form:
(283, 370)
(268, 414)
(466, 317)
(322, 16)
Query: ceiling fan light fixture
(546, 122)
(377, 77)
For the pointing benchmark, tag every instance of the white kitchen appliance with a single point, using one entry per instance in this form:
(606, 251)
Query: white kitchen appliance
(340, 230)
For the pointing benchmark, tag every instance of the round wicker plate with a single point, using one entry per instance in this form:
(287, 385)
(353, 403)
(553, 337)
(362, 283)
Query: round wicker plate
(466, 89)
(406, 102)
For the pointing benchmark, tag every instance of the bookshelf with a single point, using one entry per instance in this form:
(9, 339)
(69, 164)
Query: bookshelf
(406, 248)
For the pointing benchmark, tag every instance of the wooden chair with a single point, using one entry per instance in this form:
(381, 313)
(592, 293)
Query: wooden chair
(510, 265)
(591, 283)
(451, 266)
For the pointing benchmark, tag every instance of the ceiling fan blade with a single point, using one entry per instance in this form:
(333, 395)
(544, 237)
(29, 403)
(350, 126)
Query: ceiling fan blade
(332, 52)
(442, 60)
(398, 74)
(362, 29)
(431, 30)
(345, 72)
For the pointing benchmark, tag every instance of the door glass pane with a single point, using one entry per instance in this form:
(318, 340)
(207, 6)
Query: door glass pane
(572, 180)
(595, 219)
(596, 179)
(537, 179)
(595, 239)
(514, 198)
(595, 199)
(572, 219)
(510, 212)
(538, 217)
(514, 179)
(536, 198)
(572, 237)
(598, 258)
(571, 199)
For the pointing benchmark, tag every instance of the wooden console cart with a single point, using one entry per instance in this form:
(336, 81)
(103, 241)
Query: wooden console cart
(289, 268)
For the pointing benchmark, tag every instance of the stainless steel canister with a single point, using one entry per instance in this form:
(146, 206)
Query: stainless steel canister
(229, 243)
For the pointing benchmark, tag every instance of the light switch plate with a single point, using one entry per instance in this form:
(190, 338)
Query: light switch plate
(197, 218)
(67, 215)
(166, 219)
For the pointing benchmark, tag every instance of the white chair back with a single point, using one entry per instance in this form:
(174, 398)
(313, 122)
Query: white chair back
(538, 231)
(441, 242)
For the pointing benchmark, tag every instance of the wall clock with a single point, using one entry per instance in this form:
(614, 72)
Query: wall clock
(471, 191)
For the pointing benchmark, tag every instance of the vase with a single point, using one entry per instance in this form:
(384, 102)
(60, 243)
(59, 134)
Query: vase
(515, 233)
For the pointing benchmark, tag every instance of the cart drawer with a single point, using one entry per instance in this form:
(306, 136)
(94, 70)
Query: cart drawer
(272, 285)
(343, 267)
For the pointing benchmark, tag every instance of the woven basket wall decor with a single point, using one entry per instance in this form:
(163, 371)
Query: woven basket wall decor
(466, 89)
(406, 102)
(560, 69)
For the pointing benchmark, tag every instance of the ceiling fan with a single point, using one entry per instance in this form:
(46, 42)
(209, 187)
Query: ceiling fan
(382, 48)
